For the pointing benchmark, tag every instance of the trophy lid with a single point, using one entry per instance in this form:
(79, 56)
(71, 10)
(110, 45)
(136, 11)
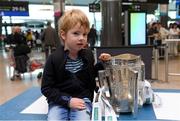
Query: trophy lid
(126, 57)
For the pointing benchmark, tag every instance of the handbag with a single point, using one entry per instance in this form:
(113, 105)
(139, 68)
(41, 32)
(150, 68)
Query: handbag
(102, 108)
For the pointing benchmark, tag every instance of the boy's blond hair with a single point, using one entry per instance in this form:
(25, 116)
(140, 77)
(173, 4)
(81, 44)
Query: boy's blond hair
(72, 18)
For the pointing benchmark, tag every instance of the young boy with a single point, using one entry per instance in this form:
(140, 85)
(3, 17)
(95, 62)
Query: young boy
(69, 75)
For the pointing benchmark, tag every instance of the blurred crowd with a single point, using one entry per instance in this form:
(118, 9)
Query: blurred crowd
(29, 37)
(158, 32)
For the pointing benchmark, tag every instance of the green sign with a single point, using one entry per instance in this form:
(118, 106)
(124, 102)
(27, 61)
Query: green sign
(94, 7)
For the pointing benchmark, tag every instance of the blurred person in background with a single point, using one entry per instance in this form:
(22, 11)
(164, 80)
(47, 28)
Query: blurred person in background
(92, 36)
(20, 51)
(49, 39)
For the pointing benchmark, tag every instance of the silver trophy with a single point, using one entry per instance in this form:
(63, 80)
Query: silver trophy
(122, 80)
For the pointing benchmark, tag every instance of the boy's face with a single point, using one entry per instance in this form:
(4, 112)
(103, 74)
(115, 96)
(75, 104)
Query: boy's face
(75, 39)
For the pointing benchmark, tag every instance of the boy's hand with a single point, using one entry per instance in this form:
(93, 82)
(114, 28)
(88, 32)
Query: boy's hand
(105, 57)
(77, 103)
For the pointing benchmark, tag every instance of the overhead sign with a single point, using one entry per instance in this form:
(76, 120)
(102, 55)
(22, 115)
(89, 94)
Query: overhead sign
(14, 8)
(94, 7)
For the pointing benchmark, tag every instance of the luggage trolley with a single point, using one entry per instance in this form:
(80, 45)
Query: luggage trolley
(22, 64)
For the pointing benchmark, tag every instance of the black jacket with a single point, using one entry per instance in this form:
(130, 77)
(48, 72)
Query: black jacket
(59, 85)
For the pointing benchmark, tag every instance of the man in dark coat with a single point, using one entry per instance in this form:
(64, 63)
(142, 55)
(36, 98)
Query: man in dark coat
(49, 39)
(92, 36)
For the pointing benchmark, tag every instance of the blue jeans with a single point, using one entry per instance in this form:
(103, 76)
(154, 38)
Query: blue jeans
(59, 113)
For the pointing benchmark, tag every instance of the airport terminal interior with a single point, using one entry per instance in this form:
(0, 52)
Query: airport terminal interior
(163, 71)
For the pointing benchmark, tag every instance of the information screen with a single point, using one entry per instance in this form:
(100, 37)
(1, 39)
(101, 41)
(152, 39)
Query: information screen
(137, 30)
(14, 8)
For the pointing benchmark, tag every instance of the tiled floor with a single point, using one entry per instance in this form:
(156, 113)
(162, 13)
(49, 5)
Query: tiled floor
(10, 89)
